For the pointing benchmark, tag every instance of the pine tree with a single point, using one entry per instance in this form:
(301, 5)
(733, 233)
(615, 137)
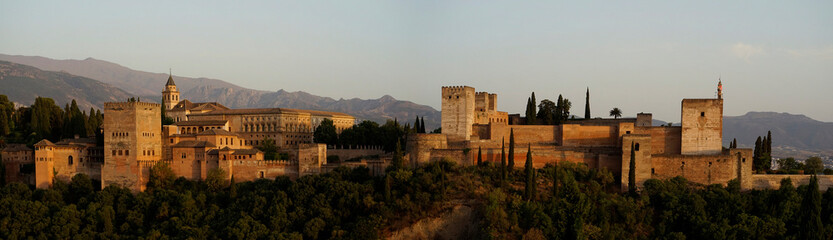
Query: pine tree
(529, 193)
(587, 105)
(479, 156)
(811, 225)
(511, 157)
(632, 172)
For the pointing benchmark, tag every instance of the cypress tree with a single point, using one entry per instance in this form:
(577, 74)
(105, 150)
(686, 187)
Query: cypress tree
(632, 172)
(531, 115)
(479, 156)
(559, 109)
(811, 225)
(396, 162)
(555, 180)
(756, 155)
(587, 105)
(511, 162)
(502, 161)
(422, 124)
(529, 193)
(416, 125)
(387, 188)
(768, 155)
(735, 143)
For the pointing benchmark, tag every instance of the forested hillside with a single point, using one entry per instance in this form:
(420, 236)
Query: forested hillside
(352, 204)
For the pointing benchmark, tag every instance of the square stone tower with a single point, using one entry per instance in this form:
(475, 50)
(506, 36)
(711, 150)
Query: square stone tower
(702, 126)
(132, 139)
(458, 112)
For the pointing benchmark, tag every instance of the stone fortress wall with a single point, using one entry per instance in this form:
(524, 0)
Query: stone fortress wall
(692, 150)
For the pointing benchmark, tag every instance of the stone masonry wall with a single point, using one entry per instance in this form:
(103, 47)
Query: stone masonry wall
(702, 126)
(457, 112)
(773, 181)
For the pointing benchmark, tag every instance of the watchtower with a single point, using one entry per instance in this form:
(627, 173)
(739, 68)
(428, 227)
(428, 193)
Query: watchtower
(702, 125)
(132, 135)
(458, 112)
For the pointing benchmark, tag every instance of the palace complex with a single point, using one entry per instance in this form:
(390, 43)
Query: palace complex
(208, 136)
(205, 136)
(471, 124)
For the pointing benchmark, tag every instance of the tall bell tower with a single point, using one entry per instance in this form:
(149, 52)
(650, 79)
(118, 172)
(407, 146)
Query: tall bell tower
(170, 95)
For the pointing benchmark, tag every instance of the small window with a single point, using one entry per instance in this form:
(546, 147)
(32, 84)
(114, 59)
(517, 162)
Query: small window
(120, 152)
(702, 114)
(183, 155)
(172, 140)
(262, 175)
(127, 152)
(652, 171)
(69, 160)
(114, 152)
(627, 132)
(636, 147)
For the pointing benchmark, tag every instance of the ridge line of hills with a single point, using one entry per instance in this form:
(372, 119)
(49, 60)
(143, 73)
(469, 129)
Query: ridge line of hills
(92, 82)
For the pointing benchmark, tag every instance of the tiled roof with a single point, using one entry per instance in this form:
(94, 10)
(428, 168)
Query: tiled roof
(242, 111)
(44, 143)
(201, 122)
(217, 132)
(194, 144)
(170, 81)
(16, 148)
(188, 105)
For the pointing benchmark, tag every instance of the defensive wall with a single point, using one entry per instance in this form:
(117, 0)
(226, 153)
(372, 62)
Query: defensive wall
(346, 154)
(773, 181)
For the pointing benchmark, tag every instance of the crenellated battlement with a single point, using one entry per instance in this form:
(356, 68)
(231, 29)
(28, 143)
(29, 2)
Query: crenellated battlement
(456, 89)
(123, 105)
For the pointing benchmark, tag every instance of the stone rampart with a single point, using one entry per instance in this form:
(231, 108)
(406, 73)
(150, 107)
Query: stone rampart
(345, 154)
(773, 181)
(593, 135)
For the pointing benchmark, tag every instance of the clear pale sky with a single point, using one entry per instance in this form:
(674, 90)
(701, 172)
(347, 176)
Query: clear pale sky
(638, 56)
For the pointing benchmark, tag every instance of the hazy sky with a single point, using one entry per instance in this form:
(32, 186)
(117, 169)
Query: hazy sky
(638, 56)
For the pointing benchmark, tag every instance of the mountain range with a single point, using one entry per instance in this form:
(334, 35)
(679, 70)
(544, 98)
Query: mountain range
(149, 85)
(92, 82)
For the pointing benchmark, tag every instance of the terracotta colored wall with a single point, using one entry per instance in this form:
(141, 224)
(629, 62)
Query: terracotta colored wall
(345, 154)
(703, 169)
(525, 134)
(419, 146)
(664, 140)
(578, 135)
(773, 181)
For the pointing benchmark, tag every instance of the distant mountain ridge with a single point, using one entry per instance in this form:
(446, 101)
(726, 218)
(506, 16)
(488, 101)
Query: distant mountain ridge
(797, 131)
(146, 84)
(22, 84)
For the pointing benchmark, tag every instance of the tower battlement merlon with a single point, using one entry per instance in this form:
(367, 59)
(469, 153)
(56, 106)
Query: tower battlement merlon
(113, 105)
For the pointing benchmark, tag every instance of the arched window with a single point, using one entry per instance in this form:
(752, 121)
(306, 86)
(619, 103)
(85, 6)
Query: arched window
(69, 160)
